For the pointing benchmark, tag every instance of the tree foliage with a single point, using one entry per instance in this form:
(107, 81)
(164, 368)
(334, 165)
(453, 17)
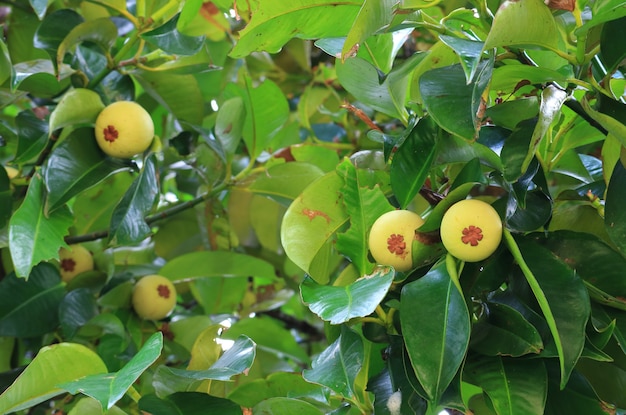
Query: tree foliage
(283, 130)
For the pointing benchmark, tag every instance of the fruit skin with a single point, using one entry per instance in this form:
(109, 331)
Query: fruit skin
(124, 129)
(391, 238)
(154, 297)
(73, 261)
(471, 230)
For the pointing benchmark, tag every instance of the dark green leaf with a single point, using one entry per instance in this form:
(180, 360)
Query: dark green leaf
(453, 103)
(76, 164)
(532, 215)
(53, 30)
(503, 331)
(188, 403)
(513, 386)
(277, 384)
(516, 148)
(169, 39)
(339, 364)
(110, 388)
(285, 406)
(436, 328)
(32, 134)
(340, 304)
(578, 396)
(411, 163)
(128, 225)
(34, 237)
(6, 204)
(76, 309)
(469, 51)
(30, 308)
(101, 32)
(615, 214)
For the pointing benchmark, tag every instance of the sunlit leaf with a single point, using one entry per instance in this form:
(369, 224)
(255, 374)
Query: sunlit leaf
(168, 38)
(77, 106)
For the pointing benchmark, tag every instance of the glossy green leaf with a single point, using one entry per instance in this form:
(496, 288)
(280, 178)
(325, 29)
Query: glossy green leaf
(268, 335)
(385, 94)
(469, 51)
(229, 124)
(452, 102)
(612, 52)
(513, 386)
(523, 23)
(373, 16)
(411, 163)
(75, 311)
(30, 308)
(614, 126)
(285, 406)
(188, 403)
(68, 361)
(364, 204)
(111, 387)
(53, 30)
(346, 354)
(275, 22)
(179, 94)
(101, 32)
(278, 384)
(169, 39)
(340, 304)
(216, 264)
(284, 182)
(603, 11)
(40, 77)
(128, 225)
(266, 111)
(312, 220)
(614, 211)
(78, 106)
(6, 207)
(515, 150)
(33, 236)
(90, 406)
(507, 77)
(32, 133)
(503, 331)
(563, 299)
(510, 113)
(436, 328)
(236, 360)
(6, 69)
(578, 396)
(76, 164)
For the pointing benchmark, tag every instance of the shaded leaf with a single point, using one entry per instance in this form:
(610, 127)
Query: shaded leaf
(436, 328)
(101, 32)
(340, 304)
(76, 310)
(615, 214)
(284, 182)
(277, 384)
(34, 237)
(128, 225)
(285, 406)
(339, 364)
(373, 16)
(169, 39)
(188, 403)
(32, 134)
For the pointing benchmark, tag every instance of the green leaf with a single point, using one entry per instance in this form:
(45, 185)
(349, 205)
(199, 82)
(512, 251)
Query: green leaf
(76, 164)
(169, 39)
(603, 11)
(78, 106)
(503, 331)
(516, 150)
(6, 204)
(128, 225)
(436, 328)
(513, 386)
(32, 133)
(285, 406)
(268, 335)
(29, 308)
(411, 163)
(266, 110)
(615, 214)
(311, 221)
(612, 52)
(364, 205)
(578, 396)
(40, 7)
(507, 77)
(284, 182)
(275, 22)
(109, 388)
(339, 364)
(385, 94)
(469, 51)
(188, 403)
(53, 30)
(67, 361)
(34, 237)
(217, 264)
(229, 124)
(40, 77)
(77, 308)
(236, 360)
(523, 23)
(340, 304)
(373, 16)
(452, 102)
(562, 297)
(101, 32)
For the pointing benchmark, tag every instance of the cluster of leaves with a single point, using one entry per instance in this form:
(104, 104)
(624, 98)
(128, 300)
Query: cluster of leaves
(284, 129)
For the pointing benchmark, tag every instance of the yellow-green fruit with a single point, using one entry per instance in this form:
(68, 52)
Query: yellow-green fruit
(11, 172)
(391, 238)
(124, 129)
(154, 297)
(73, 261)
(471, 230)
